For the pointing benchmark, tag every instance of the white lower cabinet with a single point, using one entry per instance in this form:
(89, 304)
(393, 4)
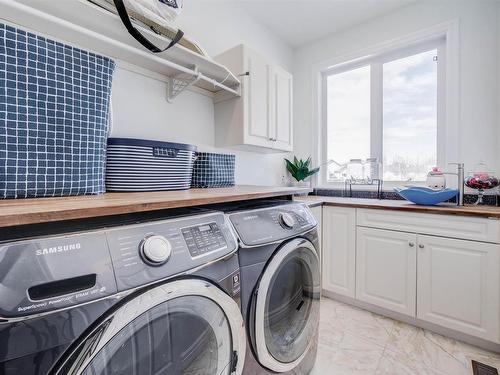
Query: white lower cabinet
(386, 267)
(459, 285)
(438, 269)
(339, 250)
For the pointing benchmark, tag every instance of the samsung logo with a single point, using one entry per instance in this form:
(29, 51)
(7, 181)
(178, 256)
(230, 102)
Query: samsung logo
(58, 249)
(250, 217)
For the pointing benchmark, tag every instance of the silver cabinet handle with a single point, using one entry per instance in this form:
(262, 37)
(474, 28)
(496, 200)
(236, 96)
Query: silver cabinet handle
(411, 244)
(421, 246)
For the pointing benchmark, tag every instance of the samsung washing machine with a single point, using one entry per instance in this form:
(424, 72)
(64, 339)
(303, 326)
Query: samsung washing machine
(280, 283)
(150, 298)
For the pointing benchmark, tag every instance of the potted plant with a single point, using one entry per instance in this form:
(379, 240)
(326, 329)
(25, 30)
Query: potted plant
(300, 170)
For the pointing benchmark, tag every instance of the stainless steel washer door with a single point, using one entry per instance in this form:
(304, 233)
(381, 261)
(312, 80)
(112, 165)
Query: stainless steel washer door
(186, 327)
(287, 306)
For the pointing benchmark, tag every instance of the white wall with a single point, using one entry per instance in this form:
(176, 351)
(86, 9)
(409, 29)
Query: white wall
(478, 128)
(140, 108)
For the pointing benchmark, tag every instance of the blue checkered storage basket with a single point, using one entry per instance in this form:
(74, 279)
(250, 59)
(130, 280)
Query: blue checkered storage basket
(54, 103)
(145, 165)
(213, 170)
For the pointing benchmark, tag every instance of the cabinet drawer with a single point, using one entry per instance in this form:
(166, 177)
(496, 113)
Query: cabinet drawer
(463, 227)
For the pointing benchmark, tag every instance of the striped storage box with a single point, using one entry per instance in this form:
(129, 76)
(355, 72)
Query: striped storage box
(144, 165)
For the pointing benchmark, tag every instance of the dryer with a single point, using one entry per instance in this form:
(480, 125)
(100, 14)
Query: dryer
(280, 276)
(155, 297)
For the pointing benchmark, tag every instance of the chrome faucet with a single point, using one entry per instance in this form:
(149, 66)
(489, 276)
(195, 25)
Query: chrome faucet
(460, 182)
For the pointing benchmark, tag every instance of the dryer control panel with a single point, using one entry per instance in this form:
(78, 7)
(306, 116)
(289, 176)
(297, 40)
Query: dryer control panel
(267, 225)
(52, 273)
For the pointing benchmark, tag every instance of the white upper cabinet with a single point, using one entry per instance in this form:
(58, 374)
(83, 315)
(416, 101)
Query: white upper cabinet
(258, 94)
(261, 120)
(282, 118)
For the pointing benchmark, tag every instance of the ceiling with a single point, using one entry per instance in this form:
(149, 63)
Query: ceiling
(299, 22)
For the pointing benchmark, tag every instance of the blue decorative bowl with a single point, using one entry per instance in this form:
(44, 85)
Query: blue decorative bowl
(426, 196)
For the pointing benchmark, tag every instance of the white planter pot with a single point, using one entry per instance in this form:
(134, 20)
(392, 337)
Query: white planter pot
(301, 184)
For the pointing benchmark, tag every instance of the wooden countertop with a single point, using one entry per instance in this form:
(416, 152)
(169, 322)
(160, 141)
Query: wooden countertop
(400, 205)
(42, 210)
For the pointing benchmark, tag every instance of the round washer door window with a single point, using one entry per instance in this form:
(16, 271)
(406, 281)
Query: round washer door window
(185, 327)
(287, 306)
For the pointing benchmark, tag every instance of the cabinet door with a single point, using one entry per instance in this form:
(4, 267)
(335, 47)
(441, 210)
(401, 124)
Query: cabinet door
(459, 285)
(386, 269)
(339, 250)
(282, 123)
(258, 108)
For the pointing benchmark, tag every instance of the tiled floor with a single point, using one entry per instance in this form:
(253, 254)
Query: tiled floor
(356, 342)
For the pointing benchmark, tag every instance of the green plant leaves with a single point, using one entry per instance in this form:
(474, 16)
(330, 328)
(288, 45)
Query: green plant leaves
(299, 169)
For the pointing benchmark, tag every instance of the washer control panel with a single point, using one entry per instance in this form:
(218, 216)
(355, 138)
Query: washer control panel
(267, 225)
(149, 252)
(205, 238)
(57, 272)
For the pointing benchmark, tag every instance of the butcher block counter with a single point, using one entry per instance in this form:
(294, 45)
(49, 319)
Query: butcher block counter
(15, 212)
(400, 205)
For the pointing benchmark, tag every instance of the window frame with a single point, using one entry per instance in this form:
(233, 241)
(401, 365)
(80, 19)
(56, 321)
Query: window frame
(376, 63)
(451, 118)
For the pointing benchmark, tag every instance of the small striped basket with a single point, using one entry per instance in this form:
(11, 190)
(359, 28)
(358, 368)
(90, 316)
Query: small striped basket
(145, 165)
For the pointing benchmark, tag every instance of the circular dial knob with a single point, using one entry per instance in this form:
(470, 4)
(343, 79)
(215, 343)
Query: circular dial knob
(286, 220)
(156, 249)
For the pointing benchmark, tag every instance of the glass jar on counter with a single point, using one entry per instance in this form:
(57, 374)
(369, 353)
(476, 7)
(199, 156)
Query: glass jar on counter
(481, 179)
(372, 169)
(355, 170)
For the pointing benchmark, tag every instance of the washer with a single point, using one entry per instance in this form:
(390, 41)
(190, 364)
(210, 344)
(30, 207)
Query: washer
(280, 276)
(156, 297)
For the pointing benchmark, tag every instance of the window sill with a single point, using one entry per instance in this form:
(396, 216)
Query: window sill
(387, 186)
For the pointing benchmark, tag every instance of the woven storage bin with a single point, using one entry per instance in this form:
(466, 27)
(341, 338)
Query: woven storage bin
(54, 104)
(213, 170)
(144, 165)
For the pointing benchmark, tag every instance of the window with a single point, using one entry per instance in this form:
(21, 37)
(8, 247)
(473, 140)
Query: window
(410, 117)
(348, 118)
(385, 108)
